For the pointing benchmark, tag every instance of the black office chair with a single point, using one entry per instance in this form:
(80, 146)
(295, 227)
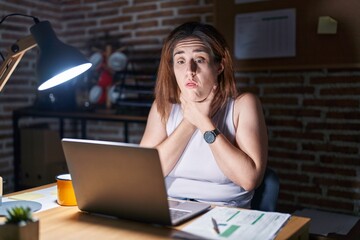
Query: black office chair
(266, 195)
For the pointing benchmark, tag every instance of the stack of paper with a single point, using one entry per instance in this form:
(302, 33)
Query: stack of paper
(234, 223)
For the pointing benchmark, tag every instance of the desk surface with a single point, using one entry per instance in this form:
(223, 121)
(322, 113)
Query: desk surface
(70, 223)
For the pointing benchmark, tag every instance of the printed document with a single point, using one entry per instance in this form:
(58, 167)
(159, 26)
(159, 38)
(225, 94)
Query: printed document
(267, 34)
(234, 223)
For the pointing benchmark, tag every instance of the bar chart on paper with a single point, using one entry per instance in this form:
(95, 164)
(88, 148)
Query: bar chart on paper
(233, 223)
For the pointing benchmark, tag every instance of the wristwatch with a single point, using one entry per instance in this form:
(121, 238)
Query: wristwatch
(210, 136)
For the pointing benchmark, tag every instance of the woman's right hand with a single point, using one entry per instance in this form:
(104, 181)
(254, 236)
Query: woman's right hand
(197, 113)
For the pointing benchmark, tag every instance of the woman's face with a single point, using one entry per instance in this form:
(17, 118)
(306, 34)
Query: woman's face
(195, 70)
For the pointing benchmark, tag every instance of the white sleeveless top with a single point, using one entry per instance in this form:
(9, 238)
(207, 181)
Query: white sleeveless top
(197, 175)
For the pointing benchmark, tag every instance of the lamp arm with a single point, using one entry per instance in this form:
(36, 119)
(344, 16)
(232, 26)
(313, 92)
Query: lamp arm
(16, 52)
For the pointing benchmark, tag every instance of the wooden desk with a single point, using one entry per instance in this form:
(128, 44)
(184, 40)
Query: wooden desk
(70, 223)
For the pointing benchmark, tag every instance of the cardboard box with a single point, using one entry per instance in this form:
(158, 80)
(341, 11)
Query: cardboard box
(42, 157)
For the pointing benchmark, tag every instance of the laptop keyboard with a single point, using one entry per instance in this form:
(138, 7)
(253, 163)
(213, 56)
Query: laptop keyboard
(175, 214)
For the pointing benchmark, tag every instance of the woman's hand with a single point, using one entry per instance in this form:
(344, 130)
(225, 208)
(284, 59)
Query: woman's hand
(197, 113)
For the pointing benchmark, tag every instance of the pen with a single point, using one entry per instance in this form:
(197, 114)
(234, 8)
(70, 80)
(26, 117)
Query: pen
(215, 226)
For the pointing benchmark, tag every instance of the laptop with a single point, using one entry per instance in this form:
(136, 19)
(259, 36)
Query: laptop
(123, 180)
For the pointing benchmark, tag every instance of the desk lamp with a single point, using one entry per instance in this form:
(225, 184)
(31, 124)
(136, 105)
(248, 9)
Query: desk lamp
(56, 64)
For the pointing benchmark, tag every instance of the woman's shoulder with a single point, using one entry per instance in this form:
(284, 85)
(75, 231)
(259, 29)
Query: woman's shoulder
(245, 102)
(161, 112)
(245, 99)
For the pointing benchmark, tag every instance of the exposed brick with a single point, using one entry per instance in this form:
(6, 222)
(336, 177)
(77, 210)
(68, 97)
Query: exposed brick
(9, 144)
(16, 31)
(331, 103)
(102, 29)
(136, 2)
(209, 19)
(281, 165)
(332, 126)
(301, 188)
(142, 41)
(294, 177)
(285, 101)
(58, 3)
(179, 20)
(334, 171)
(282, 145)
(291, 155)
(156, 14)
(181, 3)
(286, 196)
(111, 4)
(298, 135)
(340, 91)
(330, 182)
(8, 8)
(328, 147)
(139, 25)
(116, 19)
(326, 203)
(103, 13)
(76, 8)
(139, 8)
(5, 136)
(253, 89)
(344, 194)
(330, 159)
(242, 80)
(289, 90)
(75, 33)
(344, 115)
(197, 10)
(156, 32)
(287, 207)
(82, 24)
(294, 112)
(345, 137)
(279, 80)
(337, 80)
(284, 123)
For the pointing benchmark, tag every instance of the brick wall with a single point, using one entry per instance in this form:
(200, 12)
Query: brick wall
(312, 116)
(314, 132)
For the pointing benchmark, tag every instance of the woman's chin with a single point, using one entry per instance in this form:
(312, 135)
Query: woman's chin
(198, 99)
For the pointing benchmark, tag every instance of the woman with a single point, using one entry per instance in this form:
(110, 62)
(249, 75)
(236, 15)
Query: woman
(212, 142)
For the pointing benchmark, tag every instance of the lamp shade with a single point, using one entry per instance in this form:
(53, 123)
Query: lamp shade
(57, 62)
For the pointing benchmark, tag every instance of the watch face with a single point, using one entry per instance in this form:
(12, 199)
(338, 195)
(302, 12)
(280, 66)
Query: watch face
(209, 136)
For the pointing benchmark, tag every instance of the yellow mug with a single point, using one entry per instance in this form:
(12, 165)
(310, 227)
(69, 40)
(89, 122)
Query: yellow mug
(65, 190)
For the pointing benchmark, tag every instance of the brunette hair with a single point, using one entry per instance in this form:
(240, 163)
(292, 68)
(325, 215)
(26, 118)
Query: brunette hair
(167, 90)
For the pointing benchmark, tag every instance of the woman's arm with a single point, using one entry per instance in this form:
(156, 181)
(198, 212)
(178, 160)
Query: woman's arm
(169, 148)
(245, 163)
